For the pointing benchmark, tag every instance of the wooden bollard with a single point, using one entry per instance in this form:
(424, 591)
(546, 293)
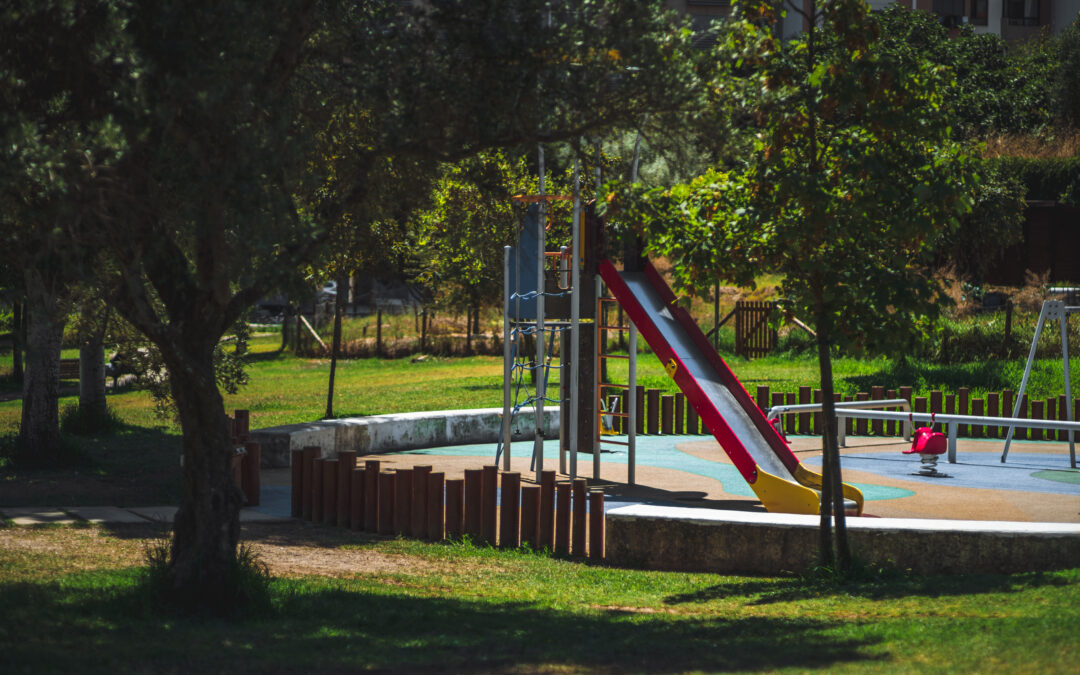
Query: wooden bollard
(667, 414)
(993, 408)
(578, 531)
(530, 516)
(962, 397)
(977, 411)
(241, 425)
(511, 498)
(488, 513)
(357, 499)
(762, 397)
(386, 502)
(562, 519)
(652, 411)
(791, 418)
(372, 503)
(692, 424)
(861, 425)
(296, 492)
(402, 501)
(680, 413)
(311, 453)
(455, 512)
(418, 528)
(804, 418)
(474, 500)
(346, 464)
(1037, 413)
(252, 480)
(546, 519)
(596, 525)
(329, 490)
(316, 490)
(435, 510)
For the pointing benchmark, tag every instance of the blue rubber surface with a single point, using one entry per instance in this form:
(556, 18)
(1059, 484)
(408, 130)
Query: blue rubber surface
(654, 451)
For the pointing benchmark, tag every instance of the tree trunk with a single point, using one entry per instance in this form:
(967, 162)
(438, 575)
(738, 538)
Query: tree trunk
(18, 341)
(335, 346)
(203, 562)
(832, 497)
(285, 321)
(39, 433)
(92, 377)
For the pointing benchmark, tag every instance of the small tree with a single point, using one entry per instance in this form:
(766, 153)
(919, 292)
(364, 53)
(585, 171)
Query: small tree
(853, 180)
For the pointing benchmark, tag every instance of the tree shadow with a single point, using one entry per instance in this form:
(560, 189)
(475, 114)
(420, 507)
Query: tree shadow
(887, 586)
(341, 625)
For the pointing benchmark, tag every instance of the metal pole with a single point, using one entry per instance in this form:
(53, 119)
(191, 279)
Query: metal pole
(541, 381)
(1064, 319)
(508, 360)
(1027, 374)
(596, 385)
(575, 320)
(632, 411)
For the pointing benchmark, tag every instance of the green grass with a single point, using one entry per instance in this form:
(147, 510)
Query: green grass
(456, 608)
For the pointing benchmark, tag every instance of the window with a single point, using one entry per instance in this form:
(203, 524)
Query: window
(979, 12)
(949, 12)
(1022, 12)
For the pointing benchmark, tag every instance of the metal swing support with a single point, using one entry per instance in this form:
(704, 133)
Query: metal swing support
(1051, 310)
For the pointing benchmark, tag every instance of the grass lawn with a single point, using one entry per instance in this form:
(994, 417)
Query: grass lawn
(72, 603)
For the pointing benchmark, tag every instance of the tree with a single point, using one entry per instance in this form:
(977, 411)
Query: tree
(853, 180)
(201, 198)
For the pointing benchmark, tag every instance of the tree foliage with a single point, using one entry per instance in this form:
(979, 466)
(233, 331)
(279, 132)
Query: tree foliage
(853, 180)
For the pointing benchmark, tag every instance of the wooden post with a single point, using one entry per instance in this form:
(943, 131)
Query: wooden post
(804, 418)
(562, 518)
(763, 397)
(861, 426)
(579, 513)
(488, 511)
(418, 527)
(455, 508)
(962, 409)
(423, 330)
(530, 521)
(791, 418)
(402, 501)
(849, 423)
(372, 502)
(892, 428)
(435, 481)
(311, 453)
(1037, 413)
(242, 420)
(667, 414)
(596, 525)
(329, 488)
(1021, 432)
(993, 409)
(378, 332)
(1063, 416)
(816, 417)
(1007, 407)
(624, 405)
(652, 411)
(474, 501)
(346, 464)
(296, 492)
(680, 413)
(547, 511)
(356, 499)
(935, 406)
(317, 490)
(386, 502)
(693, 426)
(977, 411)
(778, 399)
(511, 498)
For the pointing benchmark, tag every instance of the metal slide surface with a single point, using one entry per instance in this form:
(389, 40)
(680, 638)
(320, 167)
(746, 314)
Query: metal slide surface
(723, 405)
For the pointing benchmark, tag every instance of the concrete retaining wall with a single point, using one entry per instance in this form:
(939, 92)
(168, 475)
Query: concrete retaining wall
(403, 431)
(708, 540)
